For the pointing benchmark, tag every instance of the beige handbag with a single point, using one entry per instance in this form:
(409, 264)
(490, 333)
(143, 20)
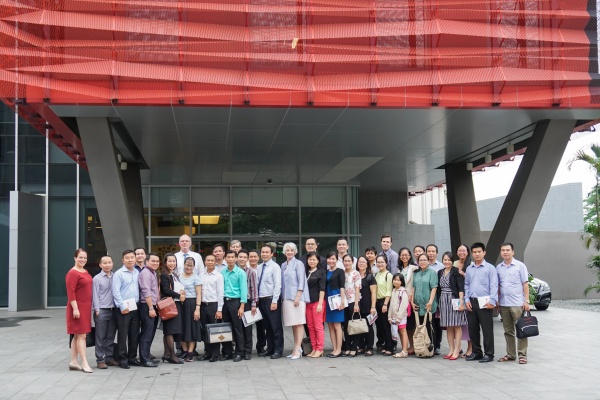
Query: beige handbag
(357, 326)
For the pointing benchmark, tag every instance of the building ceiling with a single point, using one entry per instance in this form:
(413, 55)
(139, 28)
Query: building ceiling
(378, 148)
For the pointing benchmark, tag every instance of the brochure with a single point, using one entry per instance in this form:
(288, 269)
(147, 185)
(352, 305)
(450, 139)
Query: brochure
(130, 303)
(371, 318)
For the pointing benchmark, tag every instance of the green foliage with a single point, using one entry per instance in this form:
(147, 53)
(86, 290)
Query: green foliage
(594, 263)
(591, 206)
(532, 291)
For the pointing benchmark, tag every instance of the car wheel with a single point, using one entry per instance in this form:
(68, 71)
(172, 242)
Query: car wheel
(541, 307)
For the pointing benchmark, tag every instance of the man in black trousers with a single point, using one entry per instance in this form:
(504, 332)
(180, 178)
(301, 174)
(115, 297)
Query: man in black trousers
(147, 308)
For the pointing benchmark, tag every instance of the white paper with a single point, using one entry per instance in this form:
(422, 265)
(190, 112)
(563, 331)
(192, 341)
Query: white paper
(371, 318)
(483, 300)
(249, 319)
(130, 303)
(455, 304)
(178, 287)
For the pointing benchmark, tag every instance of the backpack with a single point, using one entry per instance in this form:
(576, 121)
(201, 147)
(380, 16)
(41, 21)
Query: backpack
(421, 342)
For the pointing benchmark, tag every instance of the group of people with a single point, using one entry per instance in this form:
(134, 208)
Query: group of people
(389, 290)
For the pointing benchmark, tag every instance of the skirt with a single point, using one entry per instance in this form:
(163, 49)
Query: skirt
(191, 330)
(449, 317)
(173, 326)
(293, 315)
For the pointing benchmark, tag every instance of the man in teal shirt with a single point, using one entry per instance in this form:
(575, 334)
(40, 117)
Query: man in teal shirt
(236, 295)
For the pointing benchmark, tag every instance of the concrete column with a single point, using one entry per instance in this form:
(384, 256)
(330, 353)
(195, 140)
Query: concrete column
(108, 185)
(530, 187)
(26, 273)
(135, 204)
(462, 206)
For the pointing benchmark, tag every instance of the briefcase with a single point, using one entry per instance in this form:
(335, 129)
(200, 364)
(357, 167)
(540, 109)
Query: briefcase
(219, 333)
(527, 326)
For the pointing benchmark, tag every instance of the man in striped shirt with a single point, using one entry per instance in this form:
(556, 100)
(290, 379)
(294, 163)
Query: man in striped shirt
(252, 302)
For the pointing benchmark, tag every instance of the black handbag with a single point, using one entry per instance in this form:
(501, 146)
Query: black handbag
(527, 326)
(90, 338)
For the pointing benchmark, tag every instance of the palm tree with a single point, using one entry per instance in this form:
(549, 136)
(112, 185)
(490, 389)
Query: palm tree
(591, 230)
(591, 234)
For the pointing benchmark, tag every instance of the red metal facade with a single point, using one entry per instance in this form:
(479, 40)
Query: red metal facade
(448, 53)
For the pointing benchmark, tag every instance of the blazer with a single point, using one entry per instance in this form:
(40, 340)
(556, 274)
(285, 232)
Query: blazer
(166, 286)
(337, 280)
(457, 283)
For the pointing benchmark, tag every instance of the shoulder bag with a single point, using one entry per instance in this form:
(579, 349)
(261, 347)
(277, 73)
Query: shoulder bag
(357, 326)
(167, 308)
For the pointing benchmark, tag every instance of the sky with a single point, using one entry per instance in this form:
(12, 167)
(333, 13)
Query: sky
(496, 181)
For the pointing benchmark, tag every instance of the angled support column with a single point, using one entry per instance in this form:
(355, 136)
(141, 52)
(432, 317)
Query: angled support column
(108, 185)
(530, 187)
(462, 206)
(133, 189)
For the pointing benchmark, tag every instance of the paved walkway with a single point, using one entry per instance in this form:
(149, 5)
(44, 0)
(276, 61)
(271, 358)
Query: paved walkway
(564, 363)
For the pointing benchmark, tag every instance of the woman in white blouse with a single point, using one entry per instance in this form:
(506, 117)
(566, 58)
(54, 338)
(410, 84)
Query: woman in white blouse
(352, 290)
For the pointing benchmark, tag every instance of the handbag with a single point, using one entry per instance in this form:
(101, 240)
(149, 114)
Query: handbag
(357, 326)
(421, 342)
(527, 326)
(219, 332)
(167, 308)
(90, 338)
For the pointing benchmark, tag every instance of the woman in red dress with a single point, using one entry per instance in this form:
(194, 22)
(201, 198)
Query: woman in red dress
(79, 310)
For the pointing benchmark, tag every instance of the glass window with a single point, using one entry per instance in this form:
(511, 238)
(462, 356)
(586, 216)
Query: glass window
(210, 211)
(323, 210)
(170, 211)
(324, 245)
(265, 211)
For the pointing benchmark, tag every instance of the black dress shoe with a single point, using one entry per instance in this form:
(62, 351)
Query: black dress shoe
(260, 350)
(135, 363)
(124, 366)
(437, 352)
(226, 357)
(474, 357)
(266, 354)
(152, 357)
(214, 359)
(148, 364)
(275, 356)
(486, 358)
(237, 358)
(247, 357)
(206, 357)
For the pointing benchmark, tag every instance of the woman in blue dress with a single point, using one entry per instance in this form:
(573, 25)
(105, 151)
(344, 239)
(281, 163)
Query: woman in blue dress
(336, 280)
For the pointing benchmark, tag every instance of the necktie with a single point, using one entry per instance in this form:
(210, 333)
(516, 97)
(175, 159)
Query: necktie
(262, 272)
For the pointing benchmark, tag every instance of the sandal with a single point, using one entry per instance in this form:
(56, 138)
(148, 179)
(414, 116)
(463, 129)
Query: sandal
(361, 351)
(386, 353)
(368, 353)
(522, 360)
(505, 359)
(402, 354)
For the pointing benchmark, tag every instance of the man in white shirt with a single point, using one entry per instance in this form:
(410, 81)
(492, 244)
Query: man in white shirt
(213, 293)
(219, 252)
(185, 242)
(269, 290)
(342, 248)
(235, 245)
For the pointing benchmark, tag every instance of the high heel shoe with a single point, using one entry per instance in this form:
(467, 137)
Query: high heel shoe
(294, 357)
(317, 354)
(165, 359)
(87, 370)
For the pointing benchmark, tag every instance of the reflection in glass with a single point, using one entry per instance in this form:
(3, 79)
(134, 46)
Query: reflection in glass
(170, 212)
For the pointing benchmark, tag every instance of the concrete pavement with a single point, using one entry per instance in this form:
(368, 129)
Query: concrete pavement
(563, 364)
